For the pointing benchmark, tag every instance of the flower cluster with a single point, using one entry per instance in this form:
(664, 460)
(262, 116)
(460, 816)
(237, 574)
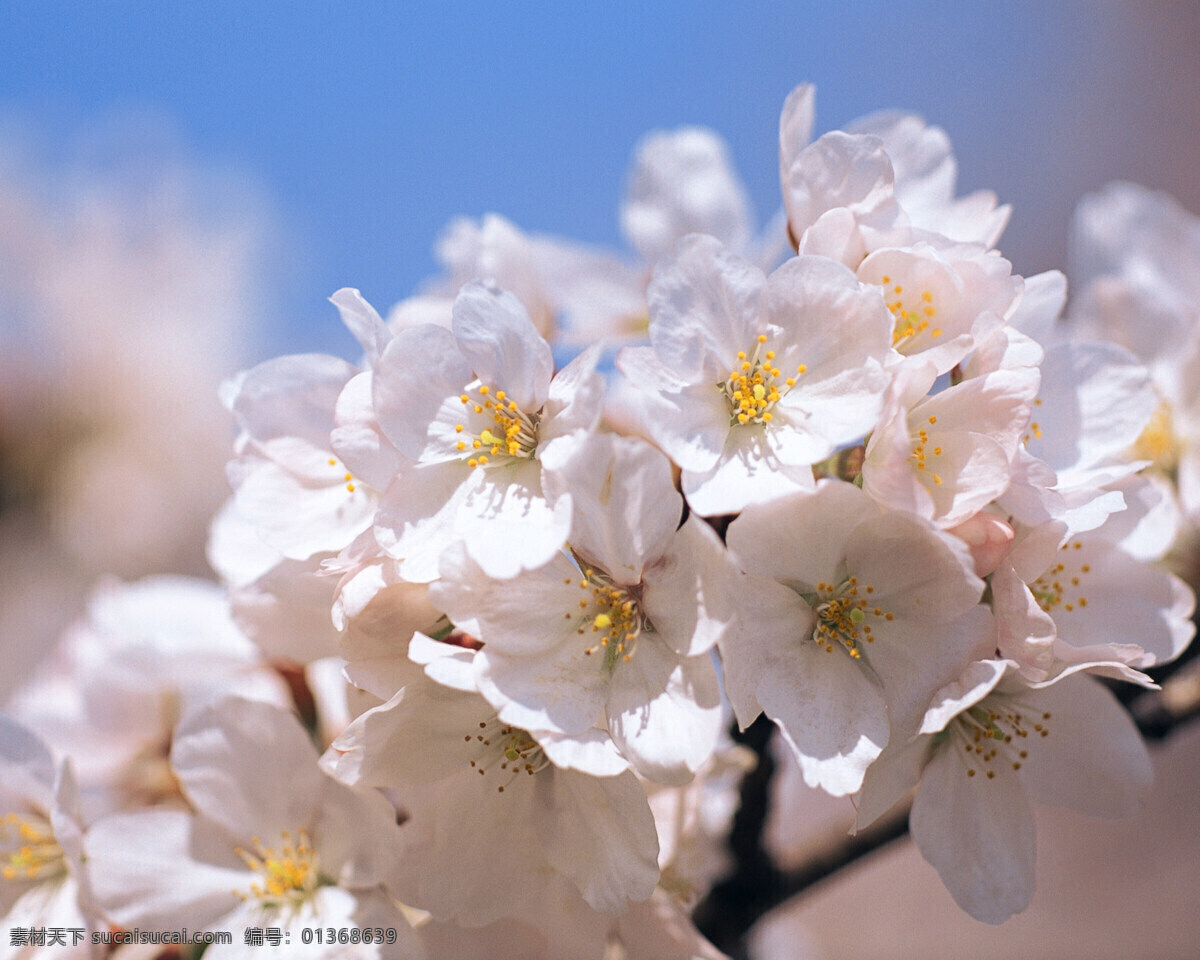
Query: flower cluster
(856, 476)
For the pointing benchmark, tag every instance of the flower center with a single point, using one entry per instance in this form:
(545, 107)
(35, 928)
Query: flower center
(753, 387)
(28, 850)
(922, 450)
(612, 614)
(506, 751)
(843, 611)
(912, 316)
(1059, 587)
(290, 874)
(1158, 442)
(504, 429)
(995, 727)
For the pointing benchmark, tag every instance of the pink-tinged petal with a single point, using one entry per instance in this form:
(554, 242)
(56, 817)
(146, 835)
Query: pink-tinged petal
(748, 473)
(705, 306)
(575, 400)
(507, 522)
(831, 714)
(363, 321)
(1041, 306)
(977, 832)
(835, 234)
(921, 157)
(762, 539)
(664, 712)
(165, 870)
(1092, 758)
(291, 396)
(626, 508)
(286, 612)
(829, 322)
(420, 369)
(686, 592)
(682, 182)
(989, 539)
(231, 759)
(498, 339)
(688, 421)
(358, 440)
(599, 832)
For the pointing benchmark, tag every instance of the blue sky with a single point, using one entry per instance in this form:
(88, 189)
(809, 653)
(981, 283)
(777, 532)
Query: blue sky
(368, 126)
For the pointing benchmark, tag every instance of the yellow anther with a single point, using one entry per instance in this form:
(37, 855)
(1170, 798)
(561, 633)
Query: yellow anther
(762, 338)
(458, 428)
(483, 389)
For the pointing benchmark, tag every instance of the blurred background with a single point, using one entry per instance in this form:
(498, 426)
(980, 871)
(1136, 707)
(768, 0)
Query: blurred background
(183, 186)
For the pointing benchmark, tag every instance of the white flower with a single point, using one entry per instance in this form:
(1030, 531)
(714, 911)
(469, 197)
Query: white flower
(849, 620)
(274, 841)
(475, 411)
(617, 631)
(752, 379)
(946, 456)
(146, 653)
(493, 824)
(43, 880)
(990, 745)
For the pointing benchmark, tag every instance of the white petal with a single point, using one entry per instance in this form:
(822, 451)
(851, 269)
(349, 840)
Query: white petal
(749, 472)
(831, 714)
(600, 833)
(977, 833)
(688, 421)
(686, 591)
(1093, 759)
(164, 869)
(231, 759)
(496, 336)
(363, 321)
(420, 369)
(626, 508)
(664, 712)
(704, 307)
(508, 523)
